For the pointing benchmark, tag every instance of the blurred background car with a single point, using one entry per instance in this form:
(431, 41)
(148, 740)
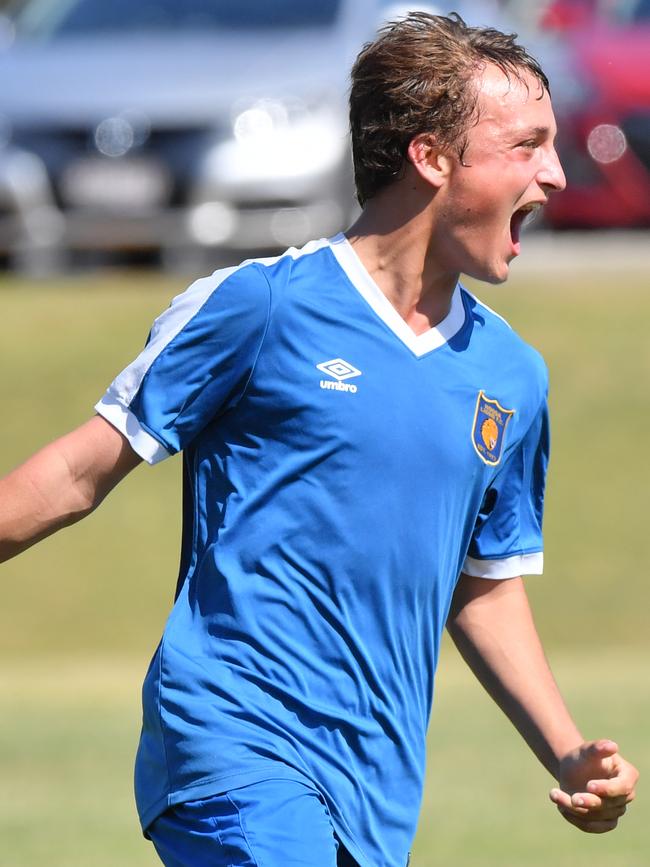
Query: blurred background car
(30, 222)
(175, 126)
(192, 132)
(600, 77)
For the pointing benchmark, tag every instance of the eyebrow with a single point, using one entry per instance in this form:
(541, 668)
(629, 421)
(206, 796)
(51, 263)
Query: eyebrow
(534, 132)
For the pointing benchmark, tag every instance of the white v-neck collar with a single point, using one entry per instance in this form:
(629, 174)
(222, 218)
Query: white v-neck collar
(419, 344)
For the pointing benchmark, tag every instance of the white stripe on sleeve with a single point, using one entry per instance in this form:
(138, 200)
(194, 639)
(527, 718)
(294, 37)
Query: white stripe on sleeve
(510, 567)
(127, 424)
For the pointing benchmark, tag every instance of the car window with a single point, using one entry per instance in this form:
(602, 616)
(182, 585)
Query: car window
(642, 11)
(630, 10)
(59, 18)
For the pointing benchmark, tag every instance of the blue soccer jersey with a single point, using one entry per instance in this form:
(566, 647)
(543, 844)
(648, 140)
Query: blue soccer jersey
(340, 473)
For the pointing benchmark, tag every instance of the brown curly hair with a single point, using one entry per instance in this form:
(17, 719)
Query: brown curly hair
(419, 75)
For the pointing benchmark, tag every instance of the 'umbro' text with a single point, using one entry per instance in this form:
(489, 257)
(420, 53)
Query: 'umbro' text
(338, 386)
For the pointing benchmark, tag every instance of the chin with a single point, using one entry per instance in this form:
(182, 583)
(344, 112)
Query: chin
(494, 274)
(497, 278)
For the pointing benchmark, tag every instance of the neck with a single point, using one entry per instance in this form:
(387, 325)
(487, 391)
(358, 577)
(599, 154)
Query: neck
(397, 251)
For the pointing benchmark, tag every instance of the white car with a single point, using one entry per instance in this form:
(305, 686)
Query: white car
(181, 125)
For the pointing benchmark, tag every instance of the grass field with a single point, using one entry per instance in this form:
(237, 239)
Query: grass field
(68, 730)
(82, 612)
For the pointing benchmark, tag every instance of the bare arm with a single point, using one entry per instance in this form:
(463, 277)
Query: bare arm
(61, 483)
(492, 626)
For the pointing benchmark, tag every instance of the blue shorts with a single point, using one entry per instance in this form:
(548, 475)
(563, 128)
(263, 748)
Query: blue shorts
(273, 823)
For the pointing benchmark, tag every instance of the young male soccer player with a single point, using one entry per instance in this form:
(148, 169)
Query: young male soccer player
(365, 446)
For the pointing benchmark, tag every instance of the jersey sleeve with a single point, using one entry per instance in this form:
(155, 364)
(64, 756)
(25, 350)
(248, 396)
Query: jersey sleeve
(507, 539)
(197, 362)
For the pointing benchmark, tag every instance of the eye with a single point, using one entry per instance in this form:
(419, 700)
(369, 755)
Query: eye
(529, 143)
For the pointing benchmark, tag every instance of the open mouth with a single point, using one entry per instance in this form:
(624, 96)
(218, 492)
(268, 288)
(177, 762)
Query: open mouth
(523, 216)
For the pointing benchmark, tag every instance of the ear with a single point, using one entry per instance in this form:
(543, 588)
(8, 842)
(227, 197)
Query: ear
(428, 159)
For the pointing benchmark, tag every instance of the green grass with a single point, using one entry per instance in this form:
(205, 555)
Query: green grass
(82, 612)
(67, 735)
(104, 585)
(486, 800)
(68, 731)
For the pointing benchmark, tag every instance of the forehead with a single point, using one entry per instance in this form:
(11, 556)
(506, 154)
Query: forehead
(507, 105)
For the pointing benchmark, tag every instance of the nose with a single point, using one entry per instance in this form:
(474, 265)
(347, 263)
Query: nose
(552, 174)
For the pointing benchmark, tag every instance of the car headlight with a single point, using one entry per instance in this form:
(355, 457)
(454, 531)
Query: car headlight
(274, 139)
(265, 119)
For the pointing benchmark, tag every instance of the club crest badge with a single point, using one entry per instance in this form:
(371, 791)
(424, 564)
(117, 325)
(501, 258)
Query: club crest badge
(488, 433)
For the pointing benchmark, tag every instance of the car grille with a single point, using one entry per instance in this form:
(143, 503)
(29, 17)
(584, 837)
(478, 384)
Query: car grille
(637, 132)
(175, 150)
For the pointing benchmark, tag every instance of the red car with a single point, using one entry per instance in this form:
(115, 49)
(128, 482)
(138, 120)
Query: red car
(602, 99)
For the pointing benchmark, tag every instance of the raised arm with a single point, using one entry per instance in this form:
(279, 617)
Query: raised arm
(61, 483)
(492, 626)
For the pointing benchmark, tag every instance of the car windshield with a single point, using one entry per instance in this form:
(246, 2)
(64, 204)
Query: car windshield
(642, 11)
(50, 19)
(630, 10)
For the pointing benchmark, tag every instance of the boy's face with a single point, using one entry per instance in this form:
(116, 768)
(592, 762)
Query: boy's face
(509, 168)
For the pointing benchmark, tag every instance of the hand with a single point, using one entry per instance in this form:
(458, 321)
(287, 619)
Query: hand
(595, 785)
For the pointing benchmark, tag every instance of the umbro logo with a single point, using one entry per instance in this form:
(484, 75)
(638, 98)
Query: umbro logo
(339, 370)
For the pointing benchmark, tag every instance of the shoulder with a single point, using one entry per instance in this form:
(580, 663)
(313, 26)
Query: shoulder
(296, 267)
(240, 292)
(244, 295)
(502, 342)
